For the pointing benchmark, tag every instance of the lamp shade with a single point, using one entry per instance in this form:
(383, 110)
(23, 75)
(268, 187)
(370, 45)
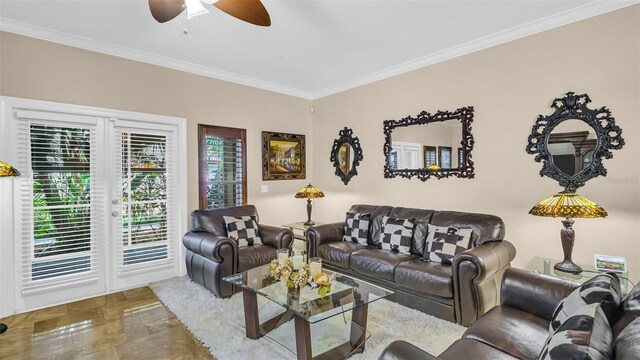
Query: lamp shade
(568, 204)
(8, 170)
(309, 192)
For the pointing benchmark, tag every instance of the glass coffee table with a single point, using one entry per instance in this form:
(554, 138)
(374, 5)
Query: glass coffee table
(347, 294)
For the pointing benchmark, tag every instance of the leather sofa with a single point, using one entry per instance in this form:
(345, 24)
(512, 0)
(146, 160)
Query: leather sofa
(211, 255)
(519, 326)
(460, 292)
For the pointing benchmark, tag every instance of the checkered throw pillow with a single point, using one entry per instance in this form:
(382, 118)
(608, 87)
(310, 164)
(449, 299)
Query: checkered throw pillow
(602, 289)
(396, 234)
(443, 243)
(356, 227)
(243, 229)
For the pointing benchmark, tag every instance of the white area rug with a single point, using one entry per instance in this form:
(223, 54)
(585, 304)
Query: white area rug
(219, 324)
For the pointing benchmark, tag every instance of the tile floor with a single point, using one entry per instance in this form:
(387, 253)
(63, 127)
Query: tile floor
(132, 324)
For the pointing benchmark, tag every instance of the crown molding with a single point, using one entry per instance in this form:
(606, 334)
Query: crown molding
(586, 11)
(537, 26)
(46, 34)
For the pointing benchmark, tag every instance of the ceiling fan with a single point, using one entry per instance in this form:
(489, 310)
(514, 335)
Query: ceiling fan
(251, 11)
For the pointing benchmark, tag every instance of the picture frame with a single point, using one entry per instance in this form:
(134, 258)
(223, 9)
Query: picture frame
(610, 263)
(283, 156)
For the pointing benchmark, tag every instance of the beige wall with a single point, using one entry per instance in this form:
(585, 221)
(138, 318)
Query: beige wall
(509, 85)
(40, 70)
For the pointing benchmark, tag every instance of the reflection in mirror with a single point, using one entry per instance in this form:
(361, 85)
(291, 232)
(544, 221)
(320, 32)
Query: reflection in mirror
(430, 145)
(433, 146)
(571, 145)
(344, 158)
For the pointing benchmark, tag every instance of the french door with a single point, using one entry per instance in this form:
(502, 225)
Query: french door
(97, 206)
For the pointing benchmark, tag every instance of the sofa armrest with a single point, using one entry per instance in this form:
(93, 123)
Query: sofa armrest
(477, 275)
(402, 350)
(534, 293)
(325, 233)
(213, 247)
(278, 237)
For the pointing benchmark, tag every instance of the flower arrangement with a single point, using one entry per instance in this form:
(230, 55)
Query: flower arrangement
(298, 279)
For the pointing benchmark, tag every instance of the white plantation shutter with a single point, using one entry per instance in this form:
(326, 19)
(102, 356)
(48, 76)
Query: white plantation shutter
(145, 188)
(60, 207)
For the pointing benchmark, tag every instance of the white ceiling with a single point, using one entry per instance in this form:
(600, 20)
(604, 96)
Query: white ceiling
(313, 48)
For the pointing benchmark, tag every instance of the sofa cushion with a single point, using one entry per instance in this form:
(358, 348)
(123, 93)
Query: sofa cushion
(422, 217)
(396, 234)
(377, 212)
(250, 257)
(338, 253)
(485, 227)
(376, 263)
(627, 344)
(444, 243)
(243, 229)
(427, 277)
(356, 228)
(585, 335)
(471, 349)
(515, 332)
(628, 311)
(603, 289)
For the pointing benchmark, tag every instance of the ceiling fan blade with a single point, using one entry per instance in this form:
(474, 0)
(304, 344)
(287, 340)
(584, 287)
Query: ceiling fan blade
(251, 11)
(165, 10)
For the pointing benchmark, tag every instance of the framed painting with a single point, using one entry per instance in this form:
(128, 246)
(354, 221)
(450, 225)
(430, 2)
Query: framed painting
(283, 156)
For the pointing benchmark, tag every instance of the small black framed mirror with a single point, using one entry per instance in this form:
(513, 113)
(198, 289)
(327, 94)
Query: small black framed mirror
(572, 141)
(346, 155)
(430, 145)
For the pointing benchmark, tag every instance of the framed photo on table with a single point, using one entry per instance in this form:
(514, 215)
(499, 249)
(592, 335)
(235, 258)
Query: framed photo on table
(283, 156)
(610, 263)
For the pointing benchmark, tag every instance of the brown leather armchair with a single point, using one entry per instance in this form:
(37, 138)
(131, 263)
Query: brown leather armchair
(211, 255)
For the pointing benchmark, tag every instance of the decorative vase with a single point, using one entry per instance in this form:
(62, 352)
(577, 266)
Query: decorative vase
(293, 293)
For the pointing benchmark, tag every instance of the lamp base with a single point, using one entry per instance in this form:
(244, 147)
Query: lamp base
(309, 223)
(568, 266)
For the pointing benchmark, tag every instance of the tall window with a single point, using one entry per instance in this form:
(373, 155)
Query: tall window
(430, 156)
(445, 156)
(223, 169)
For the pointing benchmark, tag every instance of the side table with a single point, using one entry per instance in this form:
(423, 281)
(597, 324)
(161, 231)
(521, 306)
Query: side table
(545, 266)
(299, 230)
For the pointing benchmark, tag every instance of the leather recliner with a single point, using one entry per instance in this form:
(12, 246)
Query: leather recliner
(519, 326)
(211, 255)
(460, 292)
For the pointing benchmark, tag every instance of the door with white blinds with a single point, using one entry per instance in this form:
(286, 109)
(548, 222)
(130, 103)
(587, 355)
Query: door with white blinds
(97, 206)
(143, 203)
(60, 197)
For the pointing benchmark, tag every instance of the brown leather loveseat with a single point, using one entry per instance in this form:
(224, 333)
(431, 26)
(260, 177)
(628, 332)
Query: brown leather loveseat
(460, 292)
(211, 255)
(518, 328)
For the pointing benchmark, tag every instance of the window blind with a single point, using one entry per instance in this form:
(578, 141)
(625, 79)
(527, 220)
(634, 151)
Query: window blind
(61, 217)
(145, 181)
(222, 167)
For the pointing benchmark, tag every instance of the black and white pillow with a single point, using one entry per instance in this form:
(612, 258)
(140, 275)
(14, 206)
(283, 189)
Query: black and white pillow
(443, 243)
(602, 289)
(586, 334)
(356, 227)
(243, 229)
(396, 234)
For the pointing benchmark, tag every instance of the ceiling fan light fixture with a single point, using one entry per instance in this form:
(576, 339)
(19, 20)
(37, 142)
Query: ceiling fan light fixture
(194, 8)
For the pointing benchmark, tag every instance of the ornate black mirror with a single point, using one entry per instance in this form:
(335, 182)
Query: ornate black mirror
(572, 141)
(346, 155)
(430, 145)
